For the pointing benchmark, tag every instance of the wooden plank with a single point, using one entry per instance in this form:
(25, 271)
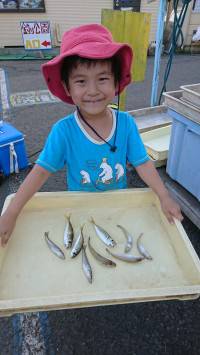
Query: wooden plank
(136, 34)
(188, 203)
(132, 28)
(115, 22)
(122, 102)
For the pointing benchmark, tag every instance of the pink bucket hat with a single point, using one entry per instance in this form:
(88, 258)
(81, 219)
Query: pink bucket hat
(92, 41)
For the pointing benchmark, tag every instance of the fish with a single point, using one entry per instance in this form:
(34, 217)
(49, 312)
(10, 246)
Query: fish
(142, 249)
(77, 244)
(86, 265)
(53, 247)
(103, 235)
(100, 258)
(126, 257)
(129, 242)
(68, 233)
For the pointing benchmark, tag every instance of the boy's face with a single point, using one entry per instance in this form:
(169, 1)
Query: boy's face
(92, 87)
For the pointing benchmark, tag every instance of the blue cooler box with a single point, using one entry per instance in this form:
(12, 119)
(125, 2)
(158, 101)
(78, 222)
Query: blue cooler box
(12, 150)
(183, 164)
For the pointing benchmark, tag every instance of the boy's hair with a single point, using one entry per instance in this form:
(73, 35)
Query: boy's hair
(71, 62)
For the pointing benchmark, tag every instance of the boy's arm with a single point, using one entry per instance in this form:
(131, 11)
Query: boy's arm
(150, 176)
(35, 179)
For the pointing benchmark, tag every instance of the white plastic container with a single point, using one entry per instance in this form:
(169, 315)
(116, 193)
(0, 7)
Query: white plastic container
(183, 163)
(33, 278)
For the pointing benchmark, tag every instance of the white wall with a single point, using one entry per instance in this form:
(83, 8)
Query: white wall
(63, 12)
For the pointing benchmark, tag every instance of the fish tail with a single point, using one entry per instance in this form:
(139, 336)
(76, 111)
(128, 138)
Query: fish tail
(83, 225)
(84, 246)
(141, 234)
(92, 220)
(46, 234)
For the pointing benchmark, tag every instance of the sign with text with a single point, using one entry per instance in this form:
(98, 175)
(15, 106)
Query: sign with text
(36, 35)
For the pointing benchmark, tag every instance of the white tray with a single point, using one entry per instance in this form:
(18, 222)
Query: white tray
(149, 118)
(173, 99)
(157, 141)
(192, 94)
(32, 278)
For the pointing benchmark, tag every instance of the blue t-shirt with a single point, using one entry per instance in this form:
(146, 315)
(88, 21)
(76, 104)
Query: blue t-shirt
(91, 165)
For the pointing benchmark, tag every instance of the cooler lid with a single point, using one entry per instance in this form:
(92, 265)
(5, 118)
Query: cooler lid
(8, 133)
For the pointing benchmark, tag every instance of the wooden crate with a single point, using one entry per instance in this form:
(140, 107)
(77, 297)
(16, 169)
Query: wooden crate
(32, 278)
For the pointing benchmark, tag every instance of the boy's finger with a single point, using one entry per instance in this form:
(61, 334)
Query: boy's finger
(4, 240)
(170, 218)
(178, 215)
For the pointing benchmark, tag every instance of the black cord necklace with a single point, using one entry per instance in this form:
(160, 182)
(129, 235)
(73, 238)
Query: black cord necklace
(113, 147)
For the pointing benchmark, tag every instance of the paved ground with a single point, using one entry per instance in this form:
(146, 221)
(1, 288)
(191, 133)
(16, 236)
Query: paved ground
(168, 327)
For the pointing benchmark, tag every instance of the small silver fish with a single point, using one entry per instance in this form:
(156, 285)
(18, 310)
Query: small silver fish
(126, 257)
(142, 249)
(103, 235)
(53, 247)
(129, 239)
(77, 244)
(86, 265)
(68, 233)
(99, 257)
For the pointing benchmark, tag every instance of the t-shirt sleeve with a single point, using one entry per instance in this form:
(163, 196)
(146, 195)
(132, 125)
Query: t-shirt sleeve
(136, 151)
(52, 157)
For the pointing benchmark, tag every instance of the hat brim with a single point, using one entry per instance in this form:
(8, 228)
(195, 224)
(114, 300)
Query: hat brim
(52, 69)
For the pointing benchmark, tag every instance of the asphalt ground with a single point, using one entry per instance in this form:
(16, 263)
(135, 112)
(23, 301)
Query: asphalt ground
(164, 327)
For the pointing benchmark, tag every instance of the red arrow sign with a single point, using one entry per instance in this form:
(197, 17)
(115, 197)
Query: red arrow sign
(45, 43)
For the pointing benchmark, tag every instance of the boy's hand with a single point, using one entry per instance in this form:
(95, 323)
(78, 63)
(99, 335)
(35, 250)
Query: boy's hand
(150, 176)
(170, 208)
(7, 224)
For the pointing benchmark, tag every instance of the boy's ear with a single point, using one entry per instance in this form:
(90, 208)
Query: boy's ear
(65, 88)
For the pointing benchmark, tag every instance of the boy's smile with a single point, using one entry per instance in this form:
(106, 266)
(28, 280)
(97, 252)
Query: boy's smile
(92, 88)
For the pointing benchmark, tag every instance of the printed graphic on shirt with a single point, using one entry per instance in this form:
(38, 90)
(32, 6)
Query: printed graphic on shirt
(85, 177)
(106, 176)
(119, 172)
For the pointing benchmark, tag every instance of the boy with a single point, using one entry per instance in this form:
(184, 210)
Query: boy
(95, 142)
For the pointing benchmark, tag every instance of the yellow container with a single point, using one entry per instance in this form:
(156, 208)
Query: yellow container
(157, 142)
(158, 163)
(32, 278)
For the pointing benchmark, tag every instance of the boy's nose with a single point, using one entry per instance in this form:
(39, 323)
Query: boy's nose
(92, 88)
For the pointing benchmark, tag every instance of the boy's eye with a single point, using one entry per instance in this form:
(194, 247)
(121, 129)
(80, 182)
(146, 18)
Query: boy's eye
(104, 78)
(81, 81)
